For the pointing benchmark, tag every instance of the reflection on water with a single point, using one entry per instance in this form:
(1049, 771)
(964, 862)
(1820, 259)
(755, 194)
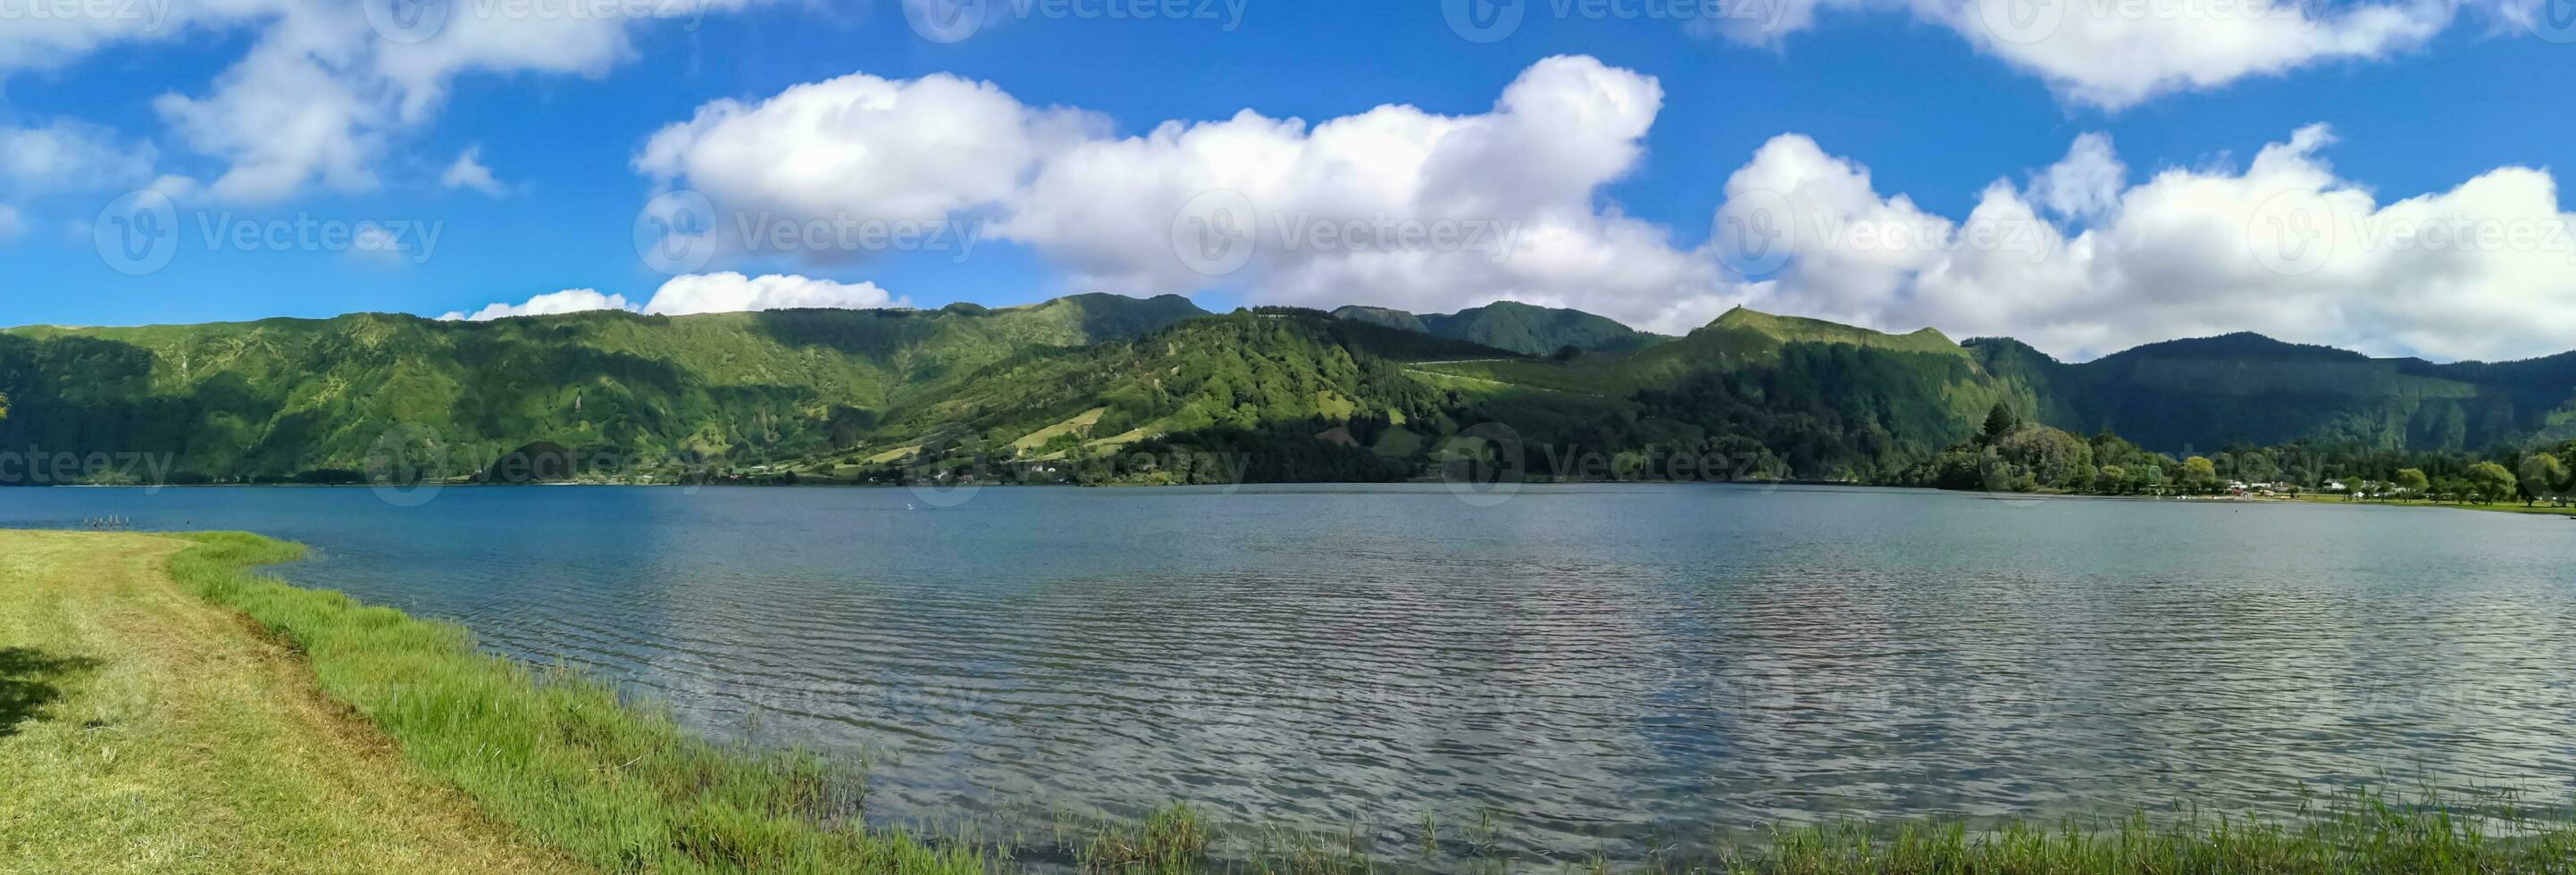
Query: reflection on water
(1581, 661)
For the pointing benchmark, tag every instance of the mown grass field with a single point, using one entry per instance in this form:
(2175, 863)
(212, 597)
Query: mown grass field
(163, 709)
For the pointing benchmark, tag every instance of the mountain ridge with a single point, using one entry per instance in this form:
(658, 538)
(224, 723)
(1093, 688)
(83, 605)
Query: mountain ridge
(1084, 373)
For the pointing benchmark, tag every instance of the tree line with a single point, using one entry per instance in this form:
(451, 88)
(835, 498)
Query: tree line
(2011, 455)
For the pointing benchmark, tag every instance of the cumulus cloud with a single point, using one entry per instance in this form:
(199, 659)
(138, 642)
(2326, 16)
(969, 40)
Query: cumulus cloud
(324, 88)
(2113, 55)
(2282, 246)
(566, 301)
(732, 292)
(1394, 205)
(2076, 257)
(469, 172)
(703, 293)
(864, 146)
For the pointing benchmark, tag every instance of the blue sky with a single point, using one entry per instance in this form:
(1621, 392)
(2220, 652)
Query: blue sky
(1933, 113)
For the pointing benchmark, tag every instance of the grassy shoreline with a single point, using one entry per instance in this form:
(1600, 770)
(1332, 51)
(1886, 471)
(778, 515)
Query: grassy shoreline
(562, 764)
(560, 757)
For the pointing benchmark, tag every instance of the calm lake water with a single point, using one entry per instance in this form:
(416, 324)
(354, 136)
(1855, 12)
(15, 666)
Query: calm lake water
(1593, 665)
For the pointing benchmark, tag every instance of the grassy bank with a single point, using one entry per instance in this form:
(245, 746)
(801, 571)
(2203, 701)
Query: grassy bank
(2506, 507)
(144, 728)
(560, 758)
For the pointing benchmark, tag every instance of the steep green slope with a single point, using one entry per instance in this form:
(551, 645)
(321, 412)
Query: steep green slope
(1784, 398)
(1244, 371)
(1384, 317)
(283, 396)
(2249, 389)
(1514, 326)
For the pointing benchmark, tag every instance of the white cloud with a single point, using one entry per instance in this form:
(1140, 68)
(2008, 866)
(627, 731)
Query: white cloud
(732, 292)
(2282, 246)
(704, 293)
(70, 155)
(12, 223)
(2113, 54)
(469, 172)
(567, 301)
(861, 146)
(1516, 189)
(322, 93)
(2086, 183)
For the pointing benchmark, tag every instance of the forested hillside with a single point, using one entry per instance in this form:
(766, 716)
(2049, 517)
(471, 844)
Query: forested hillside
(283, 397)
(1293, 394)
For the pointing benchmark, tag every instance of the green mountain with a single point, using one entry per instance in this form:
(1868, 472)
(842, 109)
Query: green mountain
(1516, 327)
(281, 397)
(1291, 394)
(2249, 389)
(1775, 397)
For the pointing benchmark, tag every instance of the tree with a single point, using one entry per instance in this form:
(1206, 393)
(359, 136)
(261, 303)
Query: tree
(2001, 423)
(2542, 476)
(2490, 482)
(2412, 480)
(1567, 353)
(2199, 474)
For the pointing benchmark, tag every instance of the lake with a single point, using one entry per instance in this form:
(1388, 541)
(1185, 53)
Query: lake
(1591, 665)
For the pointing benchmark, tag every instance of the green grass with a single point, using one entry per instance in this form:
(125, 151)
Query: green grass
(2508, 507)
(2360, 834)
(559, 757)
(143, 730)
